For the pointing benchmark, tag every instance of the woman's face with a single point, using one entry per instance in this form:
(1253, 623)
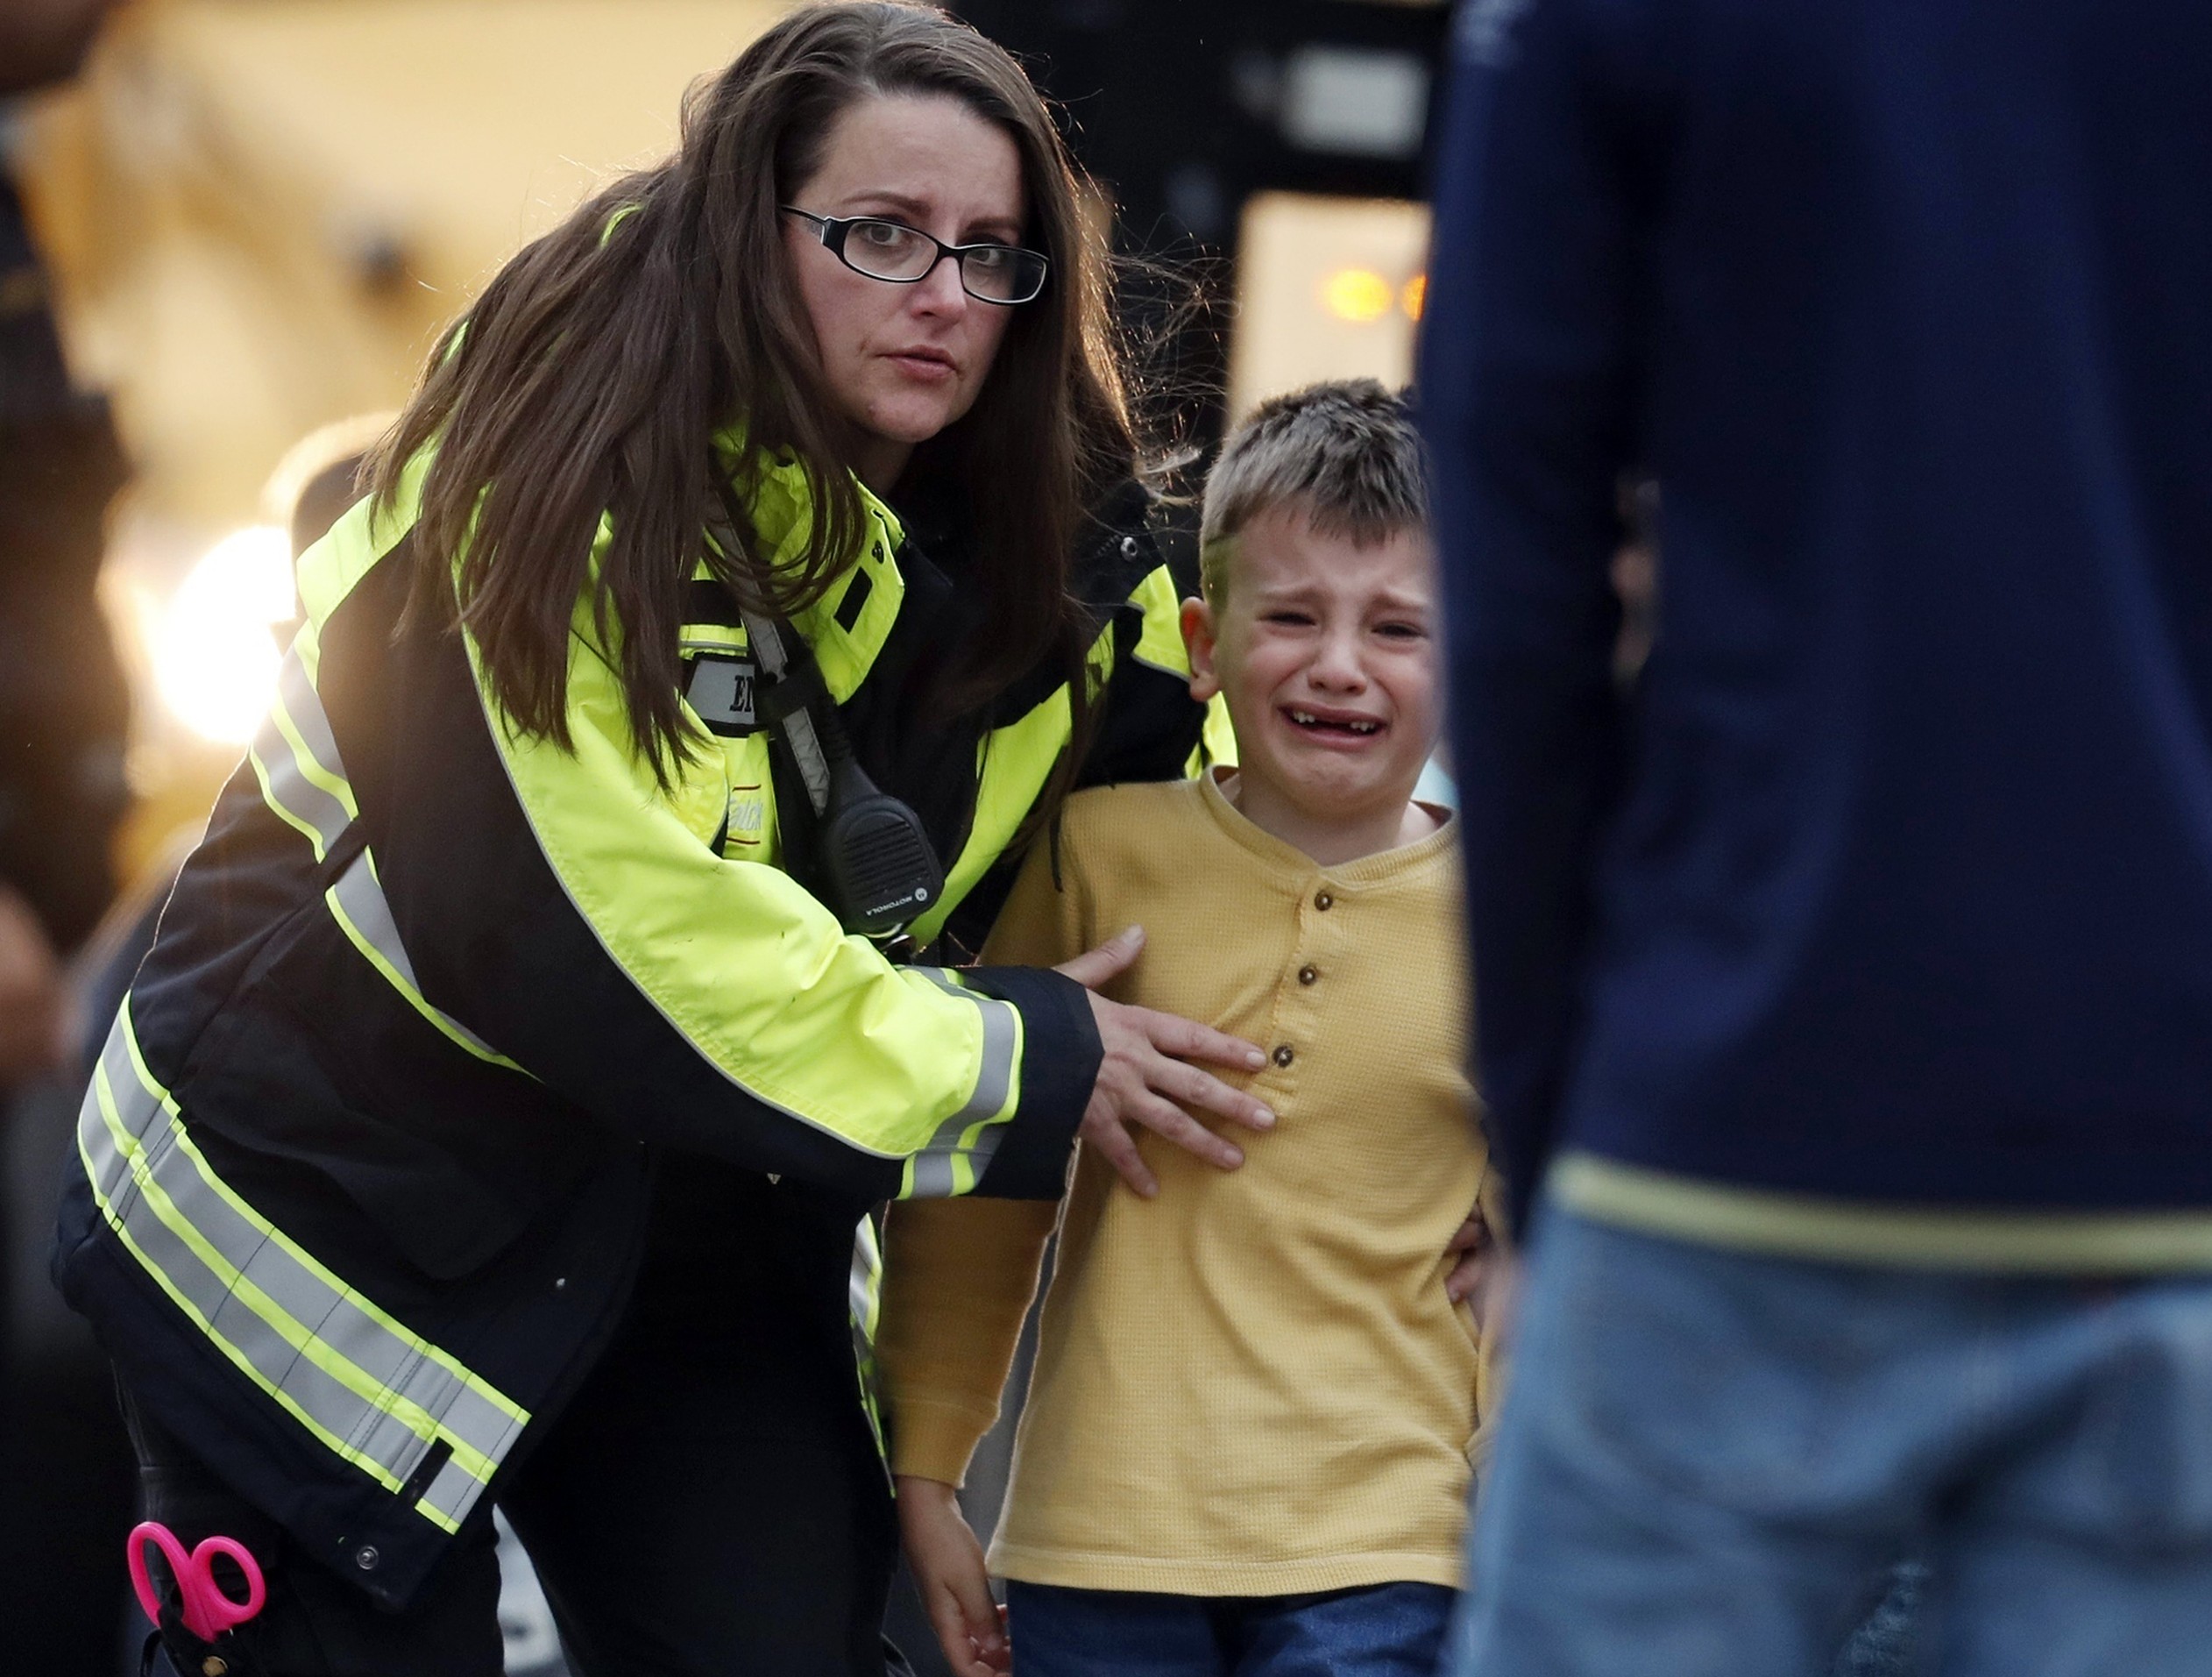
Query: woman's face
(902, 362)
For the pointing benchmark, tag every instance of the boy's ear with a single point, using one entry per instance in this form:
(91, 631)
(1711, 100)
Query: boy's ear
(1198, 636)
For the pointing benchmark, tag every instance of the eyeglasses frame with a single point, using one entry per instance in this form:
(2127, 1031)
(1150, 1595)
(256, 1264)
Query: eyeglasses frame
(832, 231)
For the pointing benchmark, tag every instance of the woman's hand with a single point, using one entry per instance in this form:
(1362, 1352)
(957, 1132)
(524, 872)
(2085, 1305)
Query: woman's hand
(1487, 1279)
(1474, 1248)
(1147, 1072)
(947, 1564)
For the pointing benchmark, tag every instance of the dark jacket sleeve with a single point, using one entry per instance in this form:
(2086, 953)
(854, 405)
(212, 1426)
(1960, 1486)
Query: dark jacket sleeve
(1144, 724)
(1148, 724)
(556, 909)
(1527, 376)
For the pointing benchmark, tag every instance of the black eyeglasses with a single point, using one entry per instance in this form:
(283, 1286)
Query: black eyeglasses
(902, 255)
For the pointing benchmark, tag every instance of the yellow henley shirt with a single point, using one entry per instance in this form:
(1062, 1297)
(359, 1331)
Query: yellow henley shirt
(1254, 1384)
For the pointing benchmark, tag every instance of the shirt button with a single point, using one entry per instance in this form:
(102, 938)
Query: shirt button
(1283, 1055)
(1323, 900)
(1306, 975)
(366, 1556)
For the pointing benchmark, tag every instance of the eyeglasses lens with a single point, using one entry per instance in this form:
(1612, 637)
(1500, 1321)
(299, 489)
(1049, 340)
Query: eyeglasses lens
(888, 251)
(885, 250)
(1001, 273)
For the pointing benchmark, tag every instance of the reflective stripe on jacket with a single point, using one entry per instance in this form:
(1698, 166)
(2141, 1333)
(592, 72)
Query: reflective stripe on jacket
(367, 1153)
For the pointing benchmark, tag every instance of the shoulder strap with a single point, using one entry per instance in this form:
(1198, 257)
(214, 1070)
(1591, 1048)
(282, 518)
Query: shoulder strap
(863, 852)
(796, 701)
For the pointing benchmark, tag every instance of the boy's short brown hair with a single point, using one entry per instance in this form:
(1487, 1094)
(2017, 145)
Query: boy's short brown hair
(1346, 452)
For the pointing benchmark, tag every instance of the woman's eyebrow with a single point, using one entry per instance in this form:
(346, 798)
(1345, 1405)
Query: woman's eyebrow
(998, 228)
(897, 203)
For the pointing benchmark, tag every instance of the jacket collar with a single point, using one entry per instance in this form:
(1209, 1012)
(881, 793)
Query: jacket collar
(1113, 555)
(846, 628)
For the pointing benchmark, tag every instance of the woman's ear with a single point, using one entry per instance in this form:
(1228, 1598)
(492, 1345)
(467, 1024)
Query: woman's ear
(1199, 636)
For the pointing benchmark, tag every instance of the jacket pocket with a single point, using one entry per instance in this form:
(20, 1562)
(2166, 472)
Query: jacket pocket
(319, 1061)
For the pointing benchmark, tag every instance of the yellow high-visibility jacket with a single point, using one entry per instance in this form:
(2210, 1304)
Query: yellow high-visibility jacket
(370, 1142)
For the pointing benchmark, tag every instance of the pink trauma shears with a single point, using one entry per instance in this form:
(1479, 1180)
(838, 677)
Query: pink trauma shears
(208, 1610)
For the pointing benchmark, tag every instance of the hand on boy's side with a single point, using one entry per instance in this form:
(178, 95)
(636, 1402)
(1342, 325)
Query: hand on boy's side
(1487, 1279)
(947, 1564)
(1497, 1300)
(1146, 1072)
(1472, 1246)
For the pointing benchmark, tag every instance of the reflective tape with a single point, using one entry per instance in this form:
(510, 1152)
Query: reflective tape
(295, 758)
(374, 1392)
(364, 914)
(296, 800)
(864, 1299)
(962, 1148)
(452, 1492)
(864, 1287)
(299, 714)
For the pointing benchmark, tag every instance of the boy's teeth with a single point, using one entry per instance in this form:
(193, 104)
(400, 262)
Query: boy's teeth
(1306, 719)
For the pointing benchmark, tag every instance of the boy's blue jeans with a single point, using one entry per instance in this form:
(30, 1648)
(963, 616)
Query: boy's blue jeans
(1384, 1630)
(1704, 1455)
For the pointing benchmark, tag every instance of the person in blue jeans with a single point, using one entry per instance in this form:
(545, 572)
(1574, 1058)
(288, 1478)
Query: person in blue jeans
(1845, 989)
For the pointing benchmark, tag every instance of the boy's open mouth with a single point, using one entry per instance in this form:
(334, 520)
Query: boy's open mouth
(1332, 724)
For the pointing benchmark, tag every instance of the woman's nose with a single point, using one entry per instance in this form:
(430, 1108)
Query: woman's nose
(938, 292)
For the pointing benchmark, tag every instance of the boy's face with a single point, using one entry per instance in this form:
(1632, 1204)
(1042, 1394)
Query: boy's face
(1324, 653)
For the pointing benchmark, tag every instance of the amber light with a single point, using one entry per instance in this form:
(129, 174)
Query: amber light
(1358, 295)
(1414, 295)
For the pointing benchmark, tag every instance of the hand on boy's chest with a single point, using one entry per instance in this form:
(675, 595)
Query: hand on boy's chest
(1357, 1034)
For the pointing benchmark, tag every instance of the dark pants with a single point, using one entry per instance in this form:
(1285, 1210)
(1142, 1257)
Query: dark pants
(1382, 1630)
(709, 1502)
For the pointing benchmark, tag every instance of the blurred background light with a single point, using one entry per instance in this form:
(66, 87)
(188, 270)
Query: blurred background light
(256, 216)
(214, 645)
(1357, 102)
(1328, 288)
(1358, 294)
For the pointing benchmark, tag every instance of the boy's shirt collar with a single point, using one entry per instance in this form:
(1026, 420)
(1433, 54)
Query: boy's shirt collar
(1296, 867)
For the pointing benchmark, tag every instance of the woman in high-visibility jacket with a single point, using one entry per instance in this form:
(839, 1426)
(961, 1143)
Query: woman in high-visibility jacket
(497, 1115)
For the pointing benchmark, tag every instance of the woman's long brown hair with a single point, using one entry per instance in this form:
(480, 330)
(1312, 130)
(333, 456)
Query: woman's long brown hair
(591, 373)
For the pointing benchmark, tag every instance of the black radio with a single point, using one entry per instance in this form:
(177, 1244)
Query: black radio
(861, 851)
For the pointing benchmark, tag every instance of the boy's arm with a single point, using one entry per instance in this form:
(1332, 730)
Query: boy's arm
(957, 1288)
(952, 1579)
